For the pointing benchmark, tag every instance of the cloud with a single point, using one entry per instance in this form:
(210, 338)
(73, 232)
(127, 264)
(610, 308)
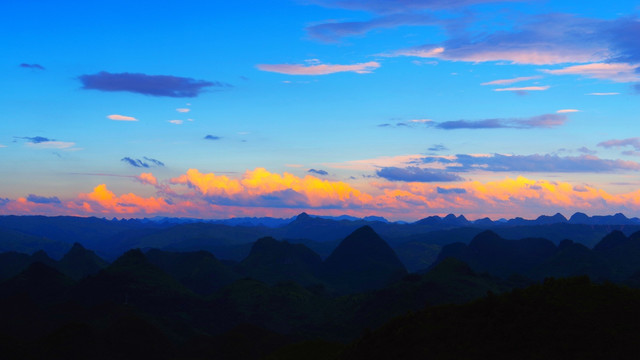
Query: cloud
(618, 72)
(3, 146)
(604, 94)
(261, 187)
(147, 178)
(586, 150)
(43, 200)
(615, 143)
(35, 139)
(151, 85)
(319, 172)
(398, 6)
(259, 192)
(176, 122)
(415, 174)
(154, 161)
(566, 111)
(511, 81)
(438, 147)
(532, 163)
(40, 142)
(523, 89)
(121, 118)
(322, 69)
(102, 200)
(212, 137)
(333, 31)
(411, 123)
(32, 66)
(540, 121)
(545, 39)
(441, 190)
(183, 110)
(142, 164)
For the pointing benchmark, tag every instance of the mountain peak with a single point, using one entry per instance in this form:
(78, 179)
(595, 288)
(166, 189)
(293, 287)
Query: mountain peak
(303, 216)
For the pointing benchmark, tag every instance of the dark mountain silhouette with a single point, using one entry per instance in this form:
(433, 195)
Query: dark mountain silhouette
(571, 318)
(273, 261)
(199, 271)
(132, 279)
(572, 259)
(622, 253)
(363, 261)
(40, 282)
(14, 240)
(79, 263)
(500, 257)
(12, 263)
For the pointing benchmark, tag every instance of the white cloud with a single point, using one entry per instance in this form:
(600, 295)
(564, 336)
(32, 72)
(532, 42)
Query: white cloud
(52, 145)
(183, 110)
(604, 94)
(322, 69)
(117, 117)
(564, 111)
(524, 88)
(176, 122)
(511, 81)
(618, 72)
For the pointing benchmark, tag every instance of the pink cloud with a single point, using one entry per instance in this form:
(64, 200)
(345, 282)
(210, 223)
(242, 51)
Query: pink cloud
(322, 69)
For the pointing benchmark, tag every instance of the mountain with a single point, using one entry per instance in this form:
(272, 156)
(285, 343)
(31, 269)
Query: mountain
(79, 263)
(362, 261)
(274, 261)
(564, 318)
(500, 257)
(199, 271)
(132, 279)
(42, 283)
(622, 253)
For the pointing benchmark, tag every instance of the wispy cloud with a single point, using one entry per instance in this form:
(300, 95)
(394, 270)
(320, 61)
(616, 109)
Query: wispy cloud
(616, 143)
(318, 172)
(146, 163)
(542, 40)
(40, 142)
(321, 69)
(416, 174)
(566, 111)
(604, 93)
(43, 199)
(152, 85)
(532, 163)
(511, 81)
(334, 30)
(618, 72)
(212, 137)
(117, 117)
(523, 89)
(541, 121)
(176, 122)
(438, 147)
(32, 66)
(183, 110)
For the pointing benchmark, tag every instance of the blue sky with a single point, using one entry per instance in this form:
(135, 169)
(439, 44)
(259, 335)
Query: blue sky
(520, 107)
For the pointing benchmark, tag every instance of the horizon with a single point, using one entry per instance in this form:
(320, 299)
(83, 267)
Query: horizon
(334, 217)
(212, 110)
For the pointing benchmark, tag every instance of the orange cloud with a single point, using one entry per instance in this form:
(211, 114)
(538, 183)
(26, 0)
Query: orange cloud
(260, 182)
(147, 178)
(103, 200)
(259, 192)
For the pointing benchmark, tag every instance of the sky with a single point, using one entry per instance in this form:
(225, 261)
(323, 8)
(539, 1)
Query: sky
(402, 109)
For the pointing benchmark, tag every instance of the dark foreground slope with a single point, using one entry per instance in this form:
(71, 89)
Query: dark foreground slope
(559, 319)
